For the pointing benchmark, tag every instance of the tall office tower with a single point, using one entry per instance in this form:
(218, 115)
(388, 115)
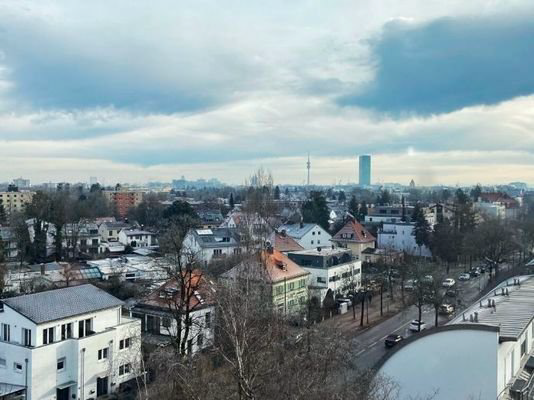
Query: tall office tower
(365, 170)
(93, 180)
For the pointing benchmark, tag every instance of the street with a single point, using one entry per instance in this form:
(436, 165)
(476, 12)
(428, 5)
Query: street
(371, 341)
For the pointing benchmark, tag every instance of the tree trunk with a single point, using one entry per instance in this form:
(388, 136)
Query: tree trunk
(420, 315)
(381, 301)
(362, 311)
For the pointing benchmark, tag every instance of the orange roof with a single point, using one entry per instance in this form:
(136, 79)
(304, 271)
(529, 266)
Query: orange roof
(274, 266)
(168, 294)
(353, 231)
(285, 243)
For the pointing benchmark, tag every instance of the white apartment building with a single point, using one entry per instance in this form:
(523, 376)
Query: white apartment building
(15, 201)
(330, 268)
(400, 237)
(109, 231)
(486, 352)
(70, 343)
(309, 236)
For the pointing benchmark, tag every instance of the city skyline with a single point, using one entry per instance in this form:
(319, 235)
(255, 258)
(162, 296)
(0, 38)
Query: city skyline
(215, 93)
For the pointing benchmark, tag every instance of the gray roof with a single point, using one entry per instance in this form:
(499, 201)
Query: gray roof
(217, 237)
(62, 303)
(513, 312)
(297, 231)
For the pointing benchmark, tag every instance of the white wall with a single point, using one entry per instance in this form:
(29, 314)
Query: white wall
(399, 237)
(458, 363)
(335, 271)
(316, 237)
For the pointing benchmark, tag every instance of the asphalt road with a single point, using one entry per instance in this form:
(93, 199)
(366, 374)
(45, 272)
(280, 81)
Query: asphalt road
(370, 343)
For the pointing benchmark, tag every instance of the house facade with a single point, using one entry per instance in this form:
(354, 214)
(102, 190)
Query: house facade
(137, 238)
(354, 236)
(207, 245)
(68, 343)
(309, 236)
(330, 268)
(159, 313)
(400, 237)
(15, 202)
(287, 280)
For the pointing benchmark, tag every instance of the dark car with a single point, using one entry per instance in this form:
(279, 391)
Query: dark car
(450, 293)
(392, 340)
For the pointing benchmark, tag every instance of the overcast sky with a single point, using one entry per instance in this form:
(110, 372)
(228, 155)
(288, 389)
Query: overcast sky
(438, 91)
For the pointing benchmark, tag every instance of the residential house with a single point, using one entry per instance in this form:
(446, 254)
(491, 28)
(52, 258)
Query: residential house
(388, 214)
(81, 238)
(67, 343)
(486, 352)
(438, 212)
(8, 243)
(206, 245)
(400, 237)
(210, 219)
(287, 280)
(137, 238)
(161, 310)
(354, 236)
(330, 268)
(308, 235)
(497, 205)
(109, 231)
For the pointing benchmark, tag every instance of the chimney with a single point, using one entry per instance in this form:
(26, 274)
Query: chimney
(471, 319)
(270, 249)
(489, 303)
(476, 316)
(301, 224)
(42, 269)
(463, 316)
(507, 292)
(283, 233)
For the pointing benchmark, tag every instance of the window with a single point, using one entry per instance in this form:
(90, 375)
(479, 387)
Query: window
(17, 367)
(124, 369)
(279, 290)
(61, 364)
(200, 340)
(318, 242)
(207, 320)
(291, 303)
(85, 327)
(312, 242)
(124, 343)
(66, 331)
(319, 232)
(48, 335)
(292, 286)
(313, 233)
(302, 283)
(237, 250)
(103, 354)
(321, 280)
(523, 347)
(3, 363)
(26, 337)
(217, 252)
(6, 332)
(302, 299)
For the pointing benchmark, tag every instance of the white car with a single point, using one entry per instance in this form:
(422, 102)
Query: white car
(464, 277)
(416, 325)
(449, 282)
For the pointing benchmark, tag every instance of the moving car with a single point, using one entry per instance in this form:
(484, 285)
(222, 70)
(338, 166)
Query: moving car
(392, 340)
(448, 283)
(464, 277)
(446, 309)
(416, 325)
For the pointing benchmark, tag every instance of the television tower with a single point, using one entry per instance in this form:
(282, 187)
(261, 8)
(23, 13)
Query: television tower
(308, 166)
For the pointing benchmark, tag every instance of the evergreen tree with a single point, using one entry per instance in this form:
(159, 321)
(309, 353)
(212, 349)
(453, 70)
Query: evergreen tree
(231, 201)
(353, 207)
(277, 193)
(342, 197)
(362, 212)
(403, 218)
(3, 215)
(422, 230)
(476, 192)
(315, 210)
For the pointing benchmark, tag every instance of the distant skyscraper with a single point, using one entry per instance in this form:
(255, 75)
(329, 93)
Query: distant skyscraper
(365, 170)
(93, 180)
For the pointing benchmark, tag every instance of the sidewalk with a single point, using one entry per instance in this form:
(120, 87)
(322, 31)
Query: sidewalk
(347, 324)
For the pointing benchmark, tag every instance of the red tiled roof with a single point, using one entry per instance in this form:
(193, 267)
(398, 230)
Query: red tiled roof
(285, 243)
(353, 231)
(496, 197)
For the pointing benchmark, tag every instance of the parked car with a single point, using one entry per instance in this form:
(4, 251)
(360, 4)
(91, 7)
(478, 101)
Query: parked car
(464, 277)
(417, 325)
(474, 272)
(446, 309)
(392, 340)
(448, 283)
(450, 293)
(428, 279)
(409, 285)
(344, 300)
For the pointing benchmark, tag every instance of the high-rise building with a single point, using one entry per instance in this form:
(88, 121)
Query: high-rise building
(365, 170)
(21, 183)
(93, 180)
